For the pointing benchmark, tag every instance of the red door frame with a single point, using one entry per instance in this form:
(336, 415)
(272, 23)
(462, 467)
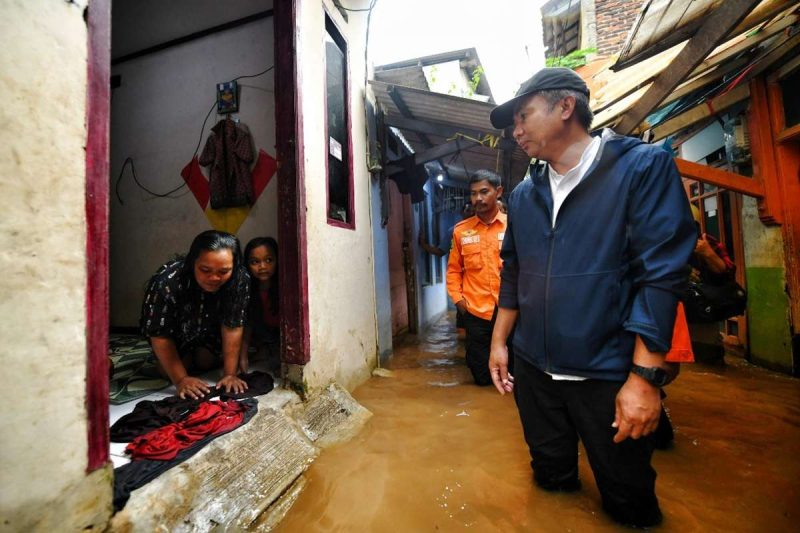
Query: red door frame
(293, 274)
(98, 102)
(291, 210)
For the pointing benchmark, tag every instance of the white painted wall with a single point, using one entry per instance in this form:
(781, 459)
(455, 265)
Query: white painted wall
(156, 116)
(43, 436)
(340, 273)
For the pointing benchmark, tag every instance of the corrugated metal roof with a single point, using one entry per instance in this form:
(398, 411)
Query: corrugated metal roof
(454, 112)
(663, 24)
(406, 76)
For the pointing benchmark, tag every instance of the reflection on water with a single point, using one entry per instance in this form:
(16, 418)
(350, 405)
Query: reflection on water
(441, 454)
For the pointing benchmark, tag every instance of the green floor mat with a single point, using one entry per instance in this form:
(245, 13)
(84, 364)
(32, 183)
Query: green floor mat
(135, 373)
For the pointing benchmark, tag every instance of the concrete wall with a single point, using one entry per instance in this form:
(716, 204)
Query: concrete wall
(341, 293)
(767, 301)
(383, 296)
(156, 117)
(43, 437)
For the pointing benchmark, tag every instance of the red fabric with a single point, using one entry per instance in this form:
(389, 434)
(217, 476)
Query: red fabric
(681, 351)
(263, 171)
(210, 418)
(197, 183)
(271, 319)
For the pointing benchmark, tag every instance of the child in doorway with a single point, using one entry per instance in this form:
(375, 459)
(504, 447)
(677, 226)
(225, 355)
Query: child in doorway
(262, 331)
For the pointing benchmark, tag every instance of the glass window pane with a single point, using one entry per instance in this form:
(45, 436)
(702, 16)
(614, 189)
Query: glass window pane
(338, 141)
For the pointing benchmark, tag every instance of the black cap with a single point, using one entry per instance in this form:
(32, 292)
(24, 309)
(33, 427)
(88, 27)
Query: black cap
(547, 79)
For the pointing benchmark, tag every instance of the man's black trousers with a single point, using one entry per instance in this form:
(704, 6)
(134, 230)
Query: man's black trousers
(555, 414)
(478, 344)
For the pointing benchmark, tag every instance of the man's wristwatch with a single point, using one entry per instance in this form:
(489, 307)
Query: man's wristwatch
(654, 375)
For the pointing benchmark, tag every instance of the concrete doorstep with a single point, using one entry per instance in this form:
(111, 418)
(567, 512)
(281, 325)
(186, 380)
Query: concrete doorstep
(248, 479)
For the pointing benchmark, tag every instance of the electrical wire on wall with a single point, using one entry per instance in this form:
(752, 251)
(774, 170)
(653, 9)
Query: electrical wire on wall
(129, 160)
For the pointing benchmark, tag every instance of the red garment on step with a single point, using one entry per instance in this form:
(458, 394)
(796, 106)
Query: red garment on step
(209, 419)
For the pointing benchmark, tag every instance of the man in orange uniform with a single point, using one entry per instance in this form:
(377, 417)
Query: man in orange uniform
(473, 269)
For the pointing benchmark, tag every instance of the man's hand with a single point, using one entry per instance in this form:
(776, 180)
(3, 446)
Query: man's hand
(462, 305)
(498, 369)
(232, 384)
(193, 388)
(638, 407)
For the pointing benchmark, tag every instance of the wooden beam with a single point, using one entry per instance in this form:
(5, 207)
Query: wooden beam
(443, 130)
(720, 178)
(397, 98)
(746, 43)
(432, 154)
(770, 208)
(789, 134)
(708, 36)
(700, 112)
(787, 159)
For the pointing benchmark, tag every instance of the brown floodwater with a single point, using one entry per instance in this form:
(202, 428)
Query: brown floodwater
(441, 454)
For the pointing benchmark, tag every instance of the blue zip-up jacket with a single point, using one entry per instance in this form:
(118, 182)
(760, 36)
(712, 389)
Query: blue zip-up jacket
(608, 269)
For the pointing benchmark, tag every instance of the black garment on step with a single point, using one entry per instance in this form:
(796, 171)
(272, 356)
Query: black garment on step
(135, 474)
(149, 415)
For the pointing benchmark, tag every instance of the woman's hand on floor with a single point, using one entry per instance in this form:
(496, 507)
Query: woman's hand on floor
(232, 384)
(193, 388)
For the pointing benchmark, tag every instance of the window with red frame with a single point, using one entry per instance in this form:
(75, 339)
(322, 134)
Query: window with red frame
(340, 179)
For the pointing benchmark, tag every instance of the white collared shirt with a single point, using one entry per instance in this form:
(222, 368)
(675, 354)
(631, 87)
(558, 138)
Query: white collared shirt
(560, 187)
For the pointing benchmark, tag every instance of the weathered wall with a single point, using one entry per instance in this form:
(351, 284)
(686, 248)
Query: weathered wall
(43, 437)
(156, 116)
(340, 261)
(767, 301)
(383, 298)
(432, 297)
(613, 21)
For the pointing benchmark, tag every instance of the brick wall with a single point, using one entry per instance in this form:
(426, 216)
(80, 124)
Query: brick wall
(614, 19)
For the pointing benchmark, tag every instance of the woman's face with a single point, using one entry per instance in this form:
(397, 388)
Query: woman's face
(262, 263)
(213, 269)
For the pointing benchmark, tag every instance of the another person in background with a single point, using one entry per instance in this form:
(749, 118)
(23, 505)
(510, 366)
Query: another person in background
(443, 249)
(473, 269)
(262, 331)
(710, 260)
(593, 257)
(194, 312)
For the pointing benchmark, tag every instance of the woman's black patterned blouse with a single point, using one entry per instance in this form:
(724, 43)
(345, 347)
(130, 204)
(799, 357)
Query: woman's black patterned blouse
(176, 307)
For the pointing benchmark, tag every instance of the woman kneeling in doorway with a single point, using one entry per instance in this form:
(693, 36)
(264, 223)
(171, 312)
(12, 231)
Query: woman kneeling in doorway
(194, 312)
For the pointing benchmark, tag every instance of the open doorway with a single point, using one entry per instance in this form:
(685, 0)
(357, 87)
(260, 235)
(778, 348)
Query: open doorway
(165, 65)
(183, 74)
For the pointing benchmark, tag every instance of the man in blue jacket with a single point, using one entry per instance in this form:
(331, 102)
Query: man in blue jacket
(594, 253)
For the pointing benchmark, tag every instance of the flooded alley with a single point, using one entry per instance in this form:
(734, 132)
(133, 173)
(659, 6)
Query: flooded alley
(441, 454)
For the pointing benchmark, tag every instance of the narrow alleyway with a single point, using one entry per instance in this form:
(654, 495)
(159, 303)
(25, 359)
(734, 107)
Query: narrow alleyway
(440, 454)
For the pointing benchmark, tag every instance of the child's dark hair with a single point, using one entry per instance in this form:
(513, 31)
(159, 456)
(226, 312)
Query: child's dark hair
(272, 245)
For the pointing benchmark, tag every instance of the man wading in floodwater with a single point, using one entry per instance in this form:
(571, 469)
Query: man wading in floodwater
(594, 254)
(473, 269)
